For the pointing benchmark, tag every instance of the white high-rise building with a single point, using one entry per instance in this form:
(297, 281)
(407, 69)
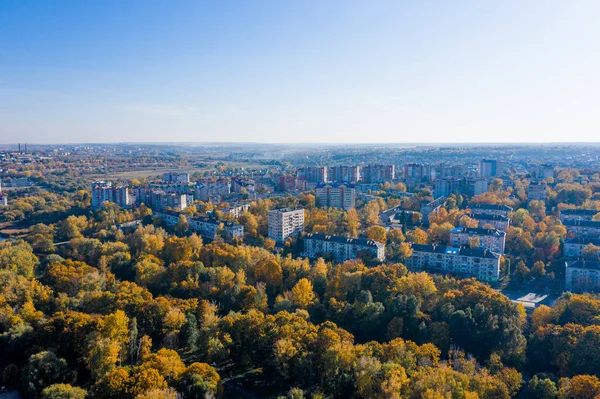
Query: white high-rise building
(284, 223)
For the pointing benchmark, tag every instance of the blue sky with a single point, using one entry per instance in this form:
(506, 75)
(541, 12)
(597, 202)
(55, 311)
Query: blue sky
(299, 71)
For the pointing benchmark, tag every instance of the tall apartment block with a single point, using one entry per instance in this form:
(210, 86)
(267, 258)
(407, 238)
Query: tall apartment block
(284, 223)
(344, 174)
(491, 168)
(103, 191)
(378, 173)
(336, 195)
(176, 177)
(318, 174)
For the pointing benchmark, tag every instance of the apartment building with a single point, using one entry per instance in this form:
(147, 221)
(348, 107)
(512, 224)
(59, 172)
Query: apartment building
(573, 247)
(341, 248)
(582, 276)
(378, 173)
(537, 191)
(315, 174)
(205, 227)
(336, 195)
(284, 223)
(497, 222)
(236, 210)
(577, 214)
(491, 168)
(344, 174)
(480, 263)
(103, 191)
(543, 171)
(428, 208)
(206, 191)
(492, 240)
(3, 196)
(176, 177)
(488, 209)
(471, 186)
(582, 227)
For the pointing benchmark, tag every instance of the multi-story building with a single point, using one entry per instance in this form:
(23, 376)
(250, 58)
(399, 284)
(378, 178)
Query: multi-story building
(543, 171)
(491, 168)
(489, 209)
(378, 173)
(236, 210)
(498, 222)
(537, 191)
(176, 177)
(160, 200)
(573, 247)
(205, 227)
(449, 171)
(492, 240)
(480, 263)
(205, 191)
(582, 276)
(3, 196)
(475, 186)
(238, 185)
(336, 195)
(428, 208)
(103, 191)
(341, 248)
(315, 174)
(471, 186)
(582, 227)
(286, 183)
(446, 187)
(414, 174)
(577, 214)
(284, 223)
(344, 174)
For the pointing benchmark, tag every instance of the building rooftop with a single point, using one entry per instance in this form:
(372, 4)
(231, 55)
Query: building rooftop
(462, 251)
(290, 209)
(482, 232)
(335, 184)
(485, 216)
(343, 240)
(491, 207)
(580, 212)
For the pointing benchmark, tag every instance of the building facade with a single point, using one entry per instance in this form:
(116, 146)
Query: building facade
(582, 228)
(537, 191)
(480, 263)
(336, 195)
(205, 227)
(176, 177)
(573, 247)
(497, 222)
(577, 215)
(344, 174)
(582, 276)
(103, 191)
(492, 240)
(206, 191)
(284, 223)
(488, 209)
(341, 248)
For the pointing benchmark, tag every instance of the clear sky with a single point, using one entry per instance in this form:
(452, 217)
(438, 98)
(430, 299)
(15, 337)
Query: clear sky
(299, 71)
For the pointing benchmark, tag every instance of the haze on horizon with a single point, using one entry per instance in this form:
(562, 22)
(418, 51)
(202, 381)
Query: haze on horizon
(299, 71)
